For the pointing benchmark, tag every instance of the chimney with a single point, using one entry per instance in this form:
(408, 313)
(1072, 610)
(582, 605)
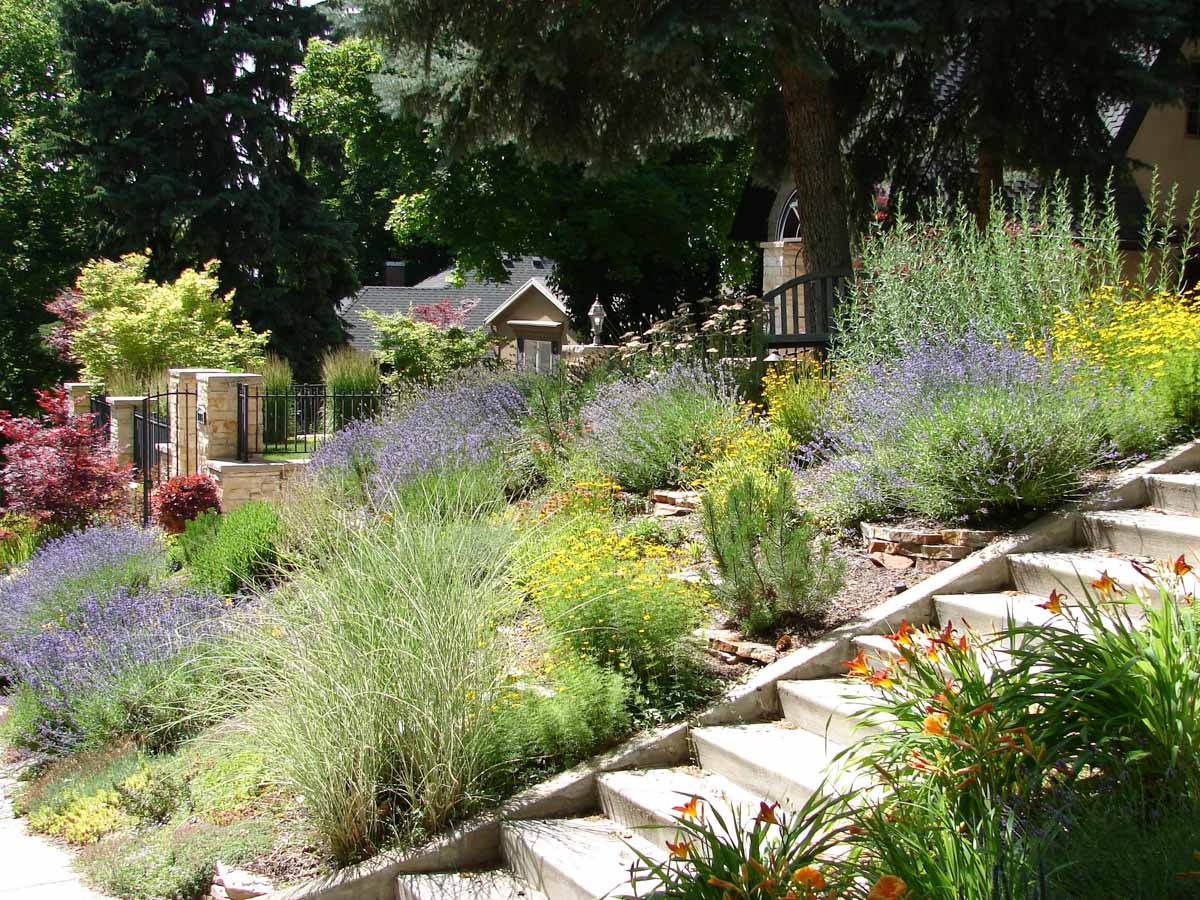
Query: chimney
(395, 273)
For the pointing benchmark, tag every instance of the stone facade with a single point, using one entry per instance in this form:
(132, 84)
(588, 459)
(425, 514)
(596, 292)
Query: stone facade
(120, 435)
(185, 436)
(241, 482)
(782, 261)
(79, 395)
(216, 415)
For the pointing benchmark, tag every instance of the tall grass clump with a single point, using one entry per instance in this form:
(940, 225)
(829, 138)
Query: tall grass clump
(351, 386)
(373, 676)
(279, 409)
(938, 273)
(647, 431)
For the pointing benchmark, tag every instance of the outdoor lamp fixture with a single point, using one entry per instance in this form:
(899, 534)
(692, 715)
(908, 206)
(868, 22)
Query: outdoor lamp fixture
(772, 357)
(596, 315)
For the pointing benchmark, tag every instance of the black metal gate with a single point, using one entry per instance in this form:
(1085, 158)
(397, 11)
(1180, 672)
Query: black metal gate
(800, 312)
(165, 442)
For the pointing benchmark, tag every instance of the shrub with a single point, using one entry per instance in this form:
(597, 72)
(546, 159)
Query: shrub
(59, 469)
(182, 498)
(84, 677)
(452, 426)
(373, 676)
(351, 386)
(81, 819)
(610, 599)
(422, 353)
(96, 562)
(772, 562)
(279, 410)
(127, 324)
(648, 432)
(19, 537)
(796, 395)
(968, 428)
(233, 552)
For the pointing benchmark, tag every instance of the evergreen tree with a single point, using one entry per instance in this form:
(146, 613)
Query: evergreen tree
(182, 123)
(40, 239)
(603, 82)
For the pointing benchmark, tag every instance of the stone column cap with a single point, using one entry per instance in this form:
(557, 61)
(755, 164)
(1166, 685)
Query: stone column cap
(224, 377)
(127, 400)
(194, 371)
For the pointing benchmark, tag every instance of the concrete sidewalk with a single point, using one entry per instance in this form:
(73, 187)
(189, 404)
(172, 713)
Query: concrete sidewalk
(32, 868)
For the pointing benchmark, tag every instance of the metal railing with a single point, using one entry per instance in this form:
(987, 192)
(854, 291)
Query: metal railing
(165, 442)
(101, 413)
(297, 419)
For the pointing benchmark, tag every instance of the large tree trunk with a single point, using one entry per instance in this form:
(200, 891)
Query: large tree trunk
(991, 178)
(815, 153)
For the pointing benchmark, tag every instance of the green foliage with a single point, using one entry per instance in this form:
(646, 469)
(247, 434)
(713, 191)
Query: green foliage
(351, 386)
(19, 537)
(235, 191)
(278, 410)
(372, 675)
(41, 230)
(994, 450)
(774, 565)
(233, 552)
(422, 353)
(175, 862)
(797, 398)
(586, 706)
(136, 327)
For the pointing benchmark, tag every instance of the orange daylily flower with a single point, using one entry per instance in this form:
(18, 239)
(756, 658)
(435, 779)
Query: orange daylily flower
(689, 810)
(682, 850)
(921, 763)
(1104, 584)
(810, 878)
(1054, 604)
(935, 724)
(766, 814)
(946, 634)
(1180, 567)
(881, 678)
(903, 634)
(858, 665)
(889, 887)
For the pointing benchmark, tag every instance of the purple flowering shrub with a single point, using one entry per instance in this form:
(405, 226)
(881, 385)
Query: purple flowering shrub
(646, 432)
(96, 561)
(452, 425)
(85, 676)
(955, 430)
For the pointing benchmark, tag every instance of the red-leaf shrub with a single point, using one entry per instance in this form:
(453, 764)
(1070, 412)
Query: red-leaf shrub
(182, 498)
(443, 314)
(58, 468)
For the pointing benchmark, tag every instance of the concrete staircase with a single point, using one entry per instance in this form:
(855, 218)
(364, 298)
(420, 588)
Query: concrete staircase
(786, 759)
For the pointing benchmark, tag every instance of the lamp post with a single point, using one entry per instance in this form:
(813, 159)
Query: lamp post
(596, 315)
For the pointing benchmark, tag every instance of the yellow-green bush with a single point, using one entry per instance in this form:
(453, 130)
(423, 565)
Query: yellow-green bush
(80, 818)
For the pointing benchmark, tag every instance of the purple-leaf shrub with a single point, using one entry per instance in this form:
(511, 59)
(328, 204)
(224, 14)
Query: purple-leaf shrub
(102, 641)
(67, 568)
(458, 423)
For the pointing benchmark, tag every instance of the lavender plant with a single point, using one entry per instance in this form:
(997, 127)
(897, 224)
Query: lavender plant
(449, 425)
(102, 653)
(647, 431)
(96, 561)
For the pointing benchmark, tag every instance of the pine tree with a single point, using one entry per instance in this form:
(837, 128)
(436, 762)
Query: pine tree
(606, 82)
(182, 123)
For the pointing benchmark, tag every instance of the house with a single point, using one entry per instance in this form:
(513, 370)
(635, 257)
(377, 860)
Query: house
(524, 309)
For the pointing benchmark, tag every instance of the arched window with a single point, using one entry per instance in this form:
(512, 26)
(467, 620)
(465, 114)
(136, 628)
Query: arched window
(789, 221)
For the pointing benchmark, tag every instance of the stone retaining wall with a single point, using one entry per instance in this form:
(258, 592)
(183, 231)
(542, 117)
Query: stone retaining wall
(242, 482)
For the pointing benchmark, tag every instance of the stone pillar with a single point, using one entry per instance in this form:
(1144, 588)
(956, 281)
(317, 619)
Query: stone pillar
(782, 261)
(181, 385)
(120, 435)
(216, 415)
(79, 396)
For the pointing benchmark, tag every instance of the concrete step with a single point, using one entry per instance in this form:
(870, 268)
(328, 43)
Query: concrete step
(574, 859)
(827, 706)
(645, 799)
(494, 884)
(1175, 493)
(773, 760)
(990, 613)
(1071, 573)
(1145, 533)
(880, 650)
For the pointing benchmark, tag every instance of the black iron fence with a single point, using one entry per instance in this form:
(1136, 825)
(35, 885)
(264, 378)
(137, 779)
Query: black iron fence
(101, 414)
(801, 312)
(297, 419)
(165, 442)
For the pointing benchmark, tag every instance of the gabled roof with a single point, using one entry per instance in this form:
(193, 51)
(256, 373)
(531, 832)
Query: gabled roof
(386, 300)
(519, 292)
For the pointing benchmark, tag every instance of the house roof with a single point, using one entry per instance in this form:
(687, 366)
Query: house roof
(491, 296)
(536, 283)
